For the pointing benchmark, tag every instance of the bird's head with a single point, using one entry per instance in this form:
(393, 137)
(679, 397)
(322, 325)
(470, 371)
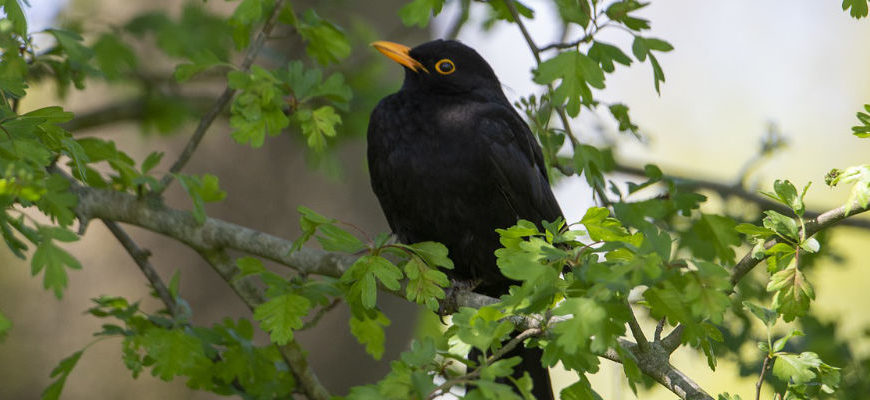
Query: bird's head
(444, 67)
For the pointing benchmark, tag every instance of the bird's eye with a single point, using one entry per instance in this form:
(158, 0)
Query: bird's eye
(445, 67)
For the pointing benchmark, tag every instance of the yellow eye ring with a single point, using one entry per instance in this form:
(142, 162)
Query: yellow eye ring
(445, 66)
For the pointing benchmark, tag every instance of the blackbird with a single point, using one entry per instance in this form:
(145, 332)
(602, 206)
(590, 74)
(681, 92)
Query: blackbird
(451, 160)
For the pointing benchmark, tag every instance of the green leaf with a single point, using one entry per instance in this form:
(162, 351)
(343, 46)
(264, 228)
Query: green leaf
(201, 61)
(72, 44)
(857, 8)
(419, 12)
(577, 72)
(317, 125)
(574, 11)
(796, 368)
(245, 16)
(481, 328)
(281, 315)
(754, 231)
(61, 371)
(425, 284)
(434, 253)
(58, 202)
(793, 293)
(5, 326)
(151, 161)
(113, 56)
(325, 42)
(780, 343)
(201, 190)
(362, 278)
(620, 114)
(781, 224)
(766, 315)
(602, 227)
(788, 194)
(580, 390)
(500, 368)
(711, 237)
(422, 352)
(370, 332)
(863, 131)
(54, 261)
(173, 353)
(594, 326)
(14, 13)
(250, 266)
(333, 238)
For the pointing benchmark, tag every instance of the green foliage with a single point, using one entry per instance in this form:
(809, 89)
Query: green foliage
(678, 257)
(61, 372)
(370, 332)
(859, 177)
(577, 72)
(5, 326)
(201, 190)
(281, 315)
(857, 8)
(863, 130)
(52, 259)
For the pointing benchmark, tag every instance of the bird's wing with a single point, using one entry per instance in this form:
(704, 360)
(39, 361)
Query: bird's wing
(517, 164)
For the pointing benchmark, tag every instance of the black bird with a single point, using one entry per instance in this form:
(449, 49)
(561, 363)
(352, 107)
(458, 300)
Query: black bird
(451, 160)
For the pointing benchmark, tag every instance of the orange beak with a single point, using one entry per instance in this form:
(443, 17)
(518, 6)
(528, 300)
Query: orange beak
(400, 54)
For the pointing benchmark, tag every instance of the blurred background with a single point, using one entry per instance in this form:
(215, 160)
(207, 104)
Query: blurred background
(739, 69)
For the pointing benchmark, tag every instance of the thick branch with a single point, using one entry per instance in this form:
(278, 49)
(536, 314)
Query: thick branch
(129, 110)
(214, 235)
(211, 235)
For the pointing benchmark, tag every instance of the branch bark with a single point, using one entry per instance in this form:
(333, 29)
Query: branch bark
(213, 236)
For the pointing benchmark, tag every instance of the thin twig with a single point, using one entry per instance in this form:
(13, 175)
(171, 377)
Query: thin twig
(636, 331)
(657, 335)
(140, 256)
(510, 345)
(320, 313)
(222, 101)
(761, 378)
(728, 190)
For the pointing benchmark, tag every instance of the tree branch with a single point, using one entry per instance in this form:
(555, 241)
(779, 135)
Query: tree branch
(822, 221)
(129, 110)
(213, 236)
(729, 190)
(140, 256)
(560, 110)
(292, 353)
(223, 100)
